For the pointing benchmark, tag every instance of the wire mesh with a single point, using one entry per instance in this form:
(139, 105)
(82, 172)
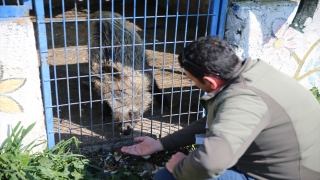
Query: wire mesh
(160, 29)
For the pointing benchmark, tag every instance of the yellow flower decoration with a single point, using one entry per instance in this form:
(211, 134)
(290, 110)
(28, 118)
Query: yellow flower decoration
(7, 104)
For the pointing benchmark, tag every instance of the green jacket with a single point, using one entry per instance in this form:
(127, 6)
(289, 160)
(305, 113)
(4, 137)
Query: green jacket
(264, 123)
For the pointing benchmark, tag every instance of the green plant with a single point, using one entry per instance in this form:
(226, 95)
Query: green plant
(16, 161)
(315, 92)
(13, 156)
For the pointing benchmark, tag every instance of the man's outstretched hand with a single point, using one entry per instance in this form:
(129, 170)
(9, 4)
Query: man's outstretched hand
(146, 146)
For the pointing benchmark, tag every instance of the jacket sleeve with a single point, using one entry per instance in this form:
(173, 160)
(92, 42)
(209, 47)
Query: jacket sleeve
(184, 136)
(240, 117)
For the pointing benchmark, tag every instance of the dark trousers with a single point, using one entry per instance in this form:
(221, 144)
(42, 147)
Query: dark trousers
(229, 174)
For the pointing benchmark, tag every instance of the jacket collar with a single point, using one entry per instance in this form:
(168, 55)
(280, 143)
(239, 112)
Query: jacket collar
(246, 64)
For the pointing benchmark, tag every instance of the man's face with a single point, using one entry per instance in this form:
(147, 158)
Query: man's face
(203, 86)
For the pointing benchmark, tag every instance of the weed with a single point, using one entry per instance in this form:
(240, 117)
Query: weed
(16, 161)
(315, 92)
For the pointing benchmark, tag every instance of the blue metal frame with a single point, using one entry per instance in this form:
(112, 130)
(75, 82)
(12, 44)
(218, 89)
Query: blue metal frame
(9, 11)
(222, 18)
(218, 20)
(45, 72)
(14, 11)
(28, 3)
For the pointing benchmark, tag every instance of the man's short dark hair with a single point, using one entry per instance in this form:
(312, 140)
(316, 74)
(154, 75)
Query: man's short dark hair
(212, 54)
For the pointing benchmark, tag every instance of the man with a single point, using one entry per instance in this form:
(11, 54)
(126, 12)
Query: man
(260, 123)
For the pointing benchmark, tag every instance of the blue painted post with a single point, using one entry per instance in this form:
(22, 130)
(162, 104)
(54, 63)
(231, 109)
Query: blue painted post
(218, 10)
(214, 17)
(45, 73)
(218, 17)
(222, 18)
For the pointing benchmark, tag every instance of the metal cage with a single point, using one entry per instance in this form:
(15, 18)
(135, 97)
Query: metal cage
(63, 34)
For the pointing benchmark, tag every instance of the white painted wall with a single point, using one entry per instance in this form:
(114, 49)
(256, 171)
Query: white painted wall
(20, 90)
(261, 30)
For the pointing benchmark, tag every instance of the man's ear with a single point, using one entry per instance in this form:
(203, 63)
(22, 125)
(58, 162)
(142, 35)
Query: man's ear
(212, 81)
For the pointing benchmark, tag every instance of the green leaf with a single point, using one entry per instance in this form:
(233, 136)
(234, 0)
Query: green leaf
(24, 159)
(24, 132)
(76, 175)
(66, 171)
(14, 176)
(46, 162)
(78, 165)
(16, 140)
(315, 92)
(44, 171)
(15, 159)
(30, 176)
(4, 159)
(31, 145)
(21, 175)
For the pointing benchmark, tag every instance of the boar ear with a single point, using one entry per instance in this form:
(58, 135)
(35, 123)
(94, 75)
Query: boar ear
(107, 68)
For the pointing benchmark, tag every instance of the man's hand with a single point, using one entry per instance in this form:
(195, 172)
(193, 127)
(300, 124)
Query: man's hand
(175, 159)
(146, 146)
